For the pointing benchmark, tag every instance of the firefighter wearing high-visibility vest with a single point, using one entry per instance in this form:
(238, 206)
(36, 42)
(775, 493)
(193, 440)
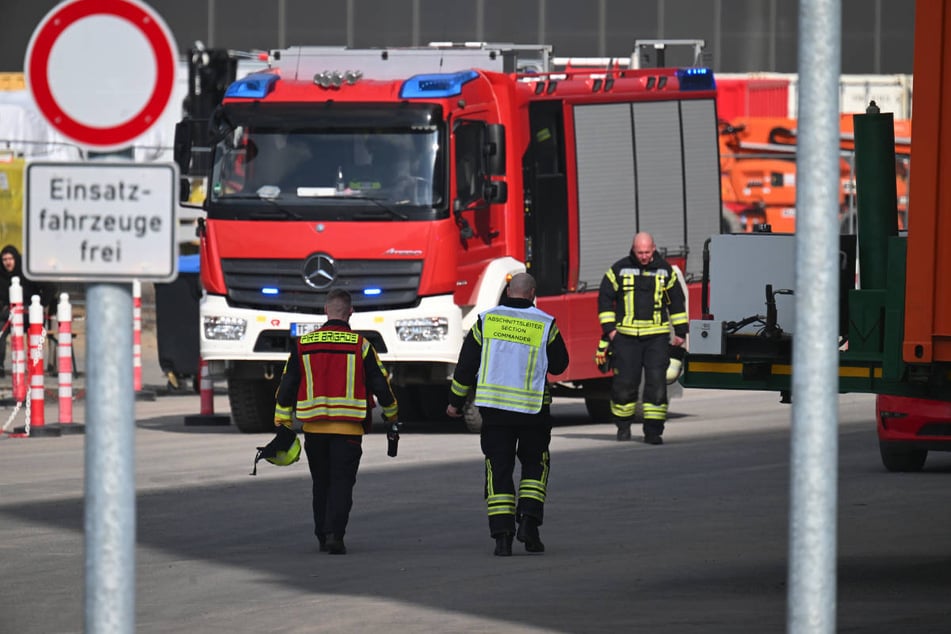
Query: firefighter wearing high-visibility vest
(506, 358)
(639, 302)
(328, 381)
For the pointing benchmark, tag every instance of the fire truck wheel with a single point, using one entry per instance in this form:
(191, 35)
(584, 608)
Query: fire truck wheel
(599, 409)
(252, 404)
(902, 459)
(472, 416)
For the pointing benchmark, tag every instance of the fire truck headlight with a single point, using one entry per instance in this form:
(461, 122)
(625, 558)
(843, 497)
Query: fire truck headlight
(224, 328)
(423, 329)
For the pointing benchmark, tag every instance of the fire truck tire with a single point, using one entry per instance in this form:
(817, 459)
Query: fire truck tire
(472, 416)
(599, 409)
(900, 459)
(252, 404)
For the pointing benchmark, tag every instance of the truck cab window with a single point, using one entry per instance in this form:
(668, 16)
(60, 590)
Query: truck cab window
(469, 170)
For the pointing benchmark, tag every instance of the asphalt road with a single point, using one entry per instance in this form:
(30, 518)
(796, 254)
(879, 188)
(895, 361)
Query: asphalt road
(687, 537)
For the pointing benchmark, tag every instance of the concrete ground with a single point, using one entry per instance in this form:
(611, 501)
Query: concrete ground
(690, 537)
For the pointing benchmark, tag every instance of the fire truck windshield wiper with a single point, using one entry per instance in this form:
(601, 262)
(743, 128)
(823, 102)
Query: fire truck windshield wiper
(275, 212)
(276, 209)
(379, 203)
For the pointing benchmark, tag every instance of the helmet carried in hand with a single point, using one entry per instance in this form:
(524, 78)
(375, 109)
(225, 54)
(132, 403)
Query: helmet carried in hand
(288, 457)
(283, 450)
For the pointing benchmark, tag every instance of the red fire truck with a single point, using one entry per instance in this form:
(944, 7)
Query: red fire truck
(420, 180)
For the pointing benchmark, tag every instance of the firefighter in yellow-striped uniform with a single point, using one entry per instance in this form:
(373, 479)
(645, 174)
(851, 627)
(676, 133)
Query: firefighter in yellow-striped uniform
(640, 300)
(329, 380)
(506, 358)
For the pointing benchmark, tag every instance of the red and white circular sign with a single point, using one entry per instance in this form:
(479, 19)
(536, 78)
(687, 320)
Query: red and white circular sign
(102, 72)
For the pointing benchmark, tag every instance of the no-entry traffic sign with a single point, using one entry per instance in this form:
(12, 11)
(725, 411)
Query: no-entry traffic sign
(101, 72)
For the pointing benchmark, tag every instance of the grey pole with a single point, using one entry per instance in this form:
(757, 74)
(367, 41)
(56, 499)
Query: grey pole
(110, 461)
(814, 462)
(211, 23)
(350, 21)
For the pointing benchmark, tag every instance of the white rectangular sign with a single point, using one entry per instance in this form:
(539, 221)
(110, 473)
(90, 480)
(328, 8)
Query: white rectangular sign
(109, 222)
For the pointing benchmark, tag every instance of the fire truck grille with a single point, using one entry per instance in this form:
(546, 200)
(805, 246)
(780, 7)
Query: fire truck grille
(280, 284)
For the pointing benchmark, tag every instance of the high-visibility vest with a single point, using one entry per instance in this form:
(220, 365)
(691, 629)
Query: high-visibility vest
(514, 365)
(333, 381)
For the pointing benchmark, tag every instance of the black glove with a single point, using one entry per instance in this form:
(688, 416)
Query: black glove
(393, 439)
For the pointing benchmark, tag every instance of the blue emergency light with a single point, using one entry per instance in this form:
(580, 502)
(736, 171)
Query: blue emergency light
(254, 86)
(270, 290)
(436, 85)
(372, 291)
(696, 79)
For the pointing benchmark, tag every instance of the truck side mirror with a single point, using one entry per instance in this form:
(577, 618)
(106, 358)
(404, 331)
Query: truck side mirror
(184, 189)
(495, 149)
(495, 192)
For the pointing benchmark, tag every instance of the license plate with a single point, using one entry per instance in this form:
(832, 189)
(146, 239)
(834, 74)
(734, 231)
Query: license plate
(299, 329)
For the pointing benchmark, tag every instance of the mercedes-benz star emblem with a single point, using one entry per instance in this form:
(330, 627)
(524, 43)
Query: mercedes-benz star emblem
(319, 271)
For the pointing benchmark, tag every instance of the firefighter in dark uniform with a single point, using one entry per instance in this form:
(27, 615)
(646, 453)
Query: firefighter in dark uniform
(506, 358)
(639, 302)
(328, 380)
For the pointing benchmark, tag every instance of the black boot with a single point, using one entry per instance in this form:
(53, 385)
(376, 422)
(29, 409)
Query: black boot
(503, 545)
(623, 432)
(528, 535)
(335, 546)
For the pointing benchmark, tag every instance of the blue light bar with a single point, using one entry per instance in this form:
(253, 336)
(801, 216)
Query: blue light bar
(270, 290)
(696, 79)
(372, 291)
(254, 86)
(436, 85)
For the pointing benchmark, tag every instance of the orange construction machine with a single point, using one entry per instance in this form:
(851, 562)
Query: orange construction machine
(758, 173)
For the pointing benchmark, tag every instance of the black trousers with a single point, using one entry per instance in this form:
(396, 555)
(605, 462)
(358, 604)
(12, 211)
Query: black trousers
(633, 356)
(333, 460)
(501, 445)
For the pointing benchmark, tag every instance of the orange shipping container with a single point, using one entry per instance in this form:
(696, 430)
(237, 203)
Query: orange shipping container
(752, 97)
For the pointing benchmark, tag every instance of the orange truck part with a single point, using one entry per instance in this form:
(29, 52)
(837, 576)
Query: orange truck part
(758, 170)
(928, 288)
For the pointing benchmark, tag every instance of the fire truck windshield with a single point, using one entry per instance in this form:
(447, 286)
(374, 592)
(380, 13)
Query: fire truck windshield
(345, 163)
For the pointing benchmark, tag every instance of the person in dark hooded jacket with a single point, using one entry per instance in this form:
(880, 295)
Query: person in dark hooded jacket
(11, 265)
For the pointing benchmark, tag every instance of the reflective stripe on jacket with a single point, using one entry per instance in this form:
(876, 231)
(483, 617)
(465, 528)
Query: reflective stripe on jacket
(642, 300)
(333, 386)
(514, 364)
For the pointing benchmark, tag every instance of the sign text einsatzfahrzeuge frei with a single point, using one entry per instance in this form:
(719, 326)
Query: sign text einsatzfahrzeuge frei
(100, 221)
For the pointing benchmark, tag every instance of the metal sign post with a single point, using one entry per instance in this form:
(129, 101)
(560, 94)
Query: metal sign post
(815, 430)
(84, 222)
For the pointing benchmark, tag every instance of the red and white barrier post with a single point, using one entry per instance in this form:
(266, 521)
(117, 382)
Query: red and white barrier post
(140, 394)
(206, 390)
(137, 335)
(64, 359)
(18, 349)
(36, 371)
